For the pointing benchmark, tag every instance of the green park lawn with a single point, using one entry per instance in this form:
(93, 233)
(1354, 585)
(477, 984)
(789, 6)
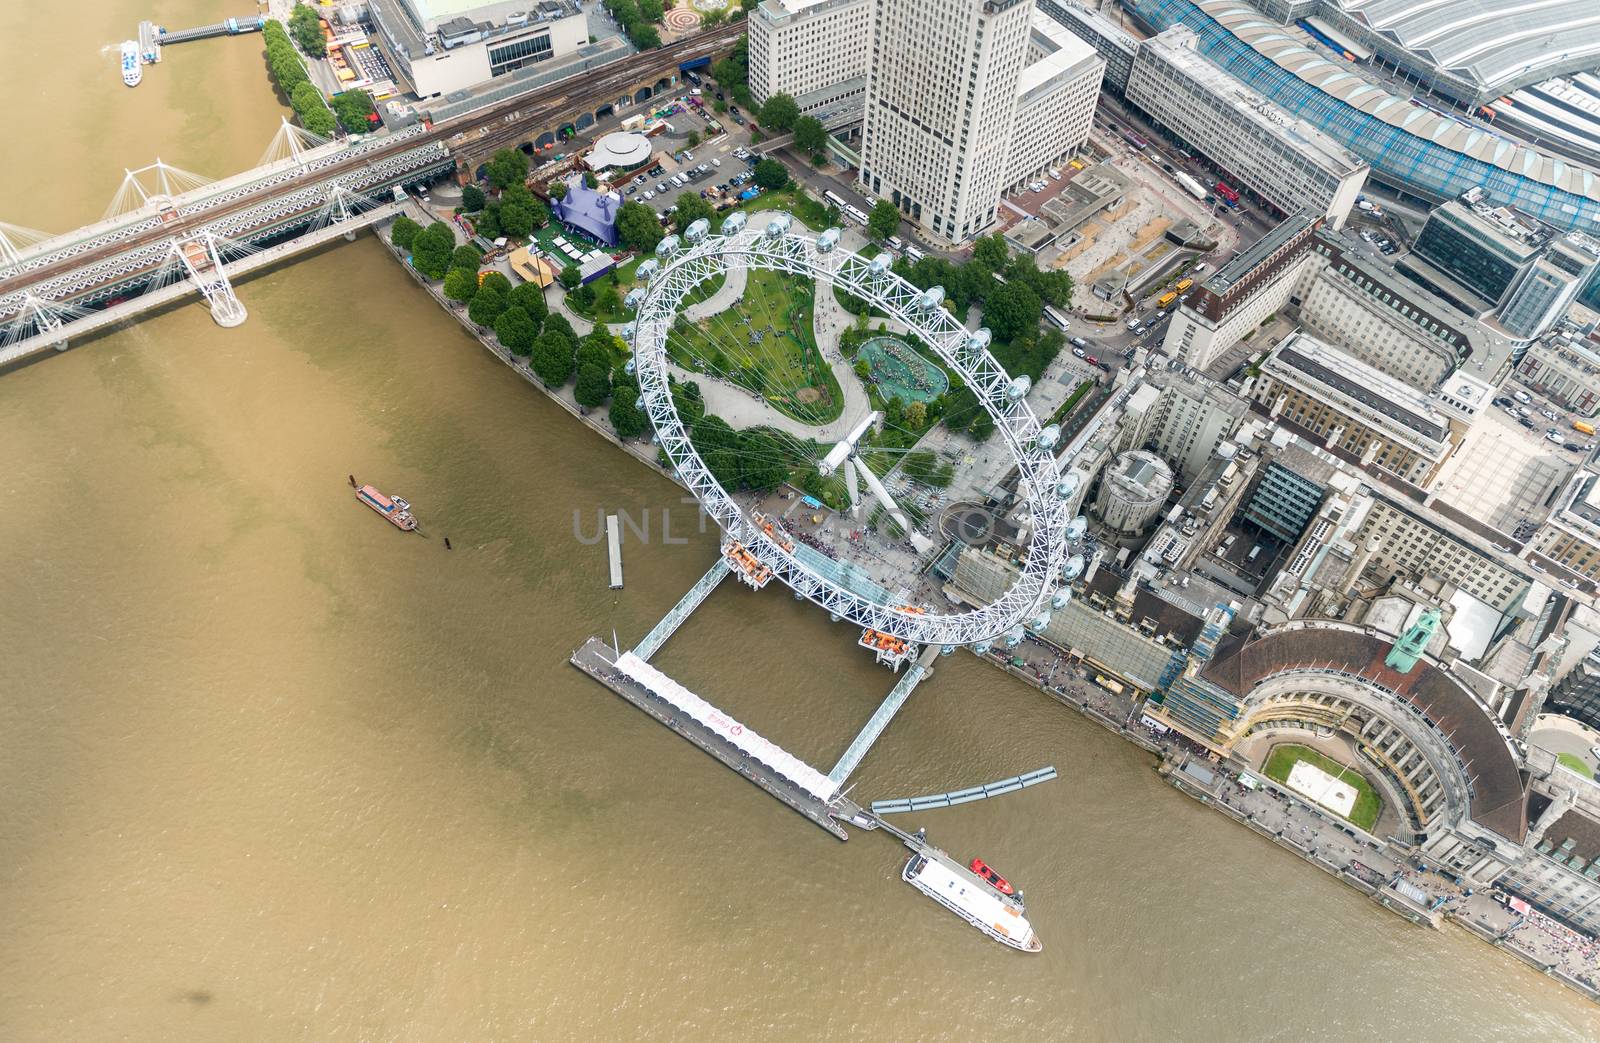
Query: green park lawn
(785, 367)
(625, 273)
(1368, 804)
(1575, 763)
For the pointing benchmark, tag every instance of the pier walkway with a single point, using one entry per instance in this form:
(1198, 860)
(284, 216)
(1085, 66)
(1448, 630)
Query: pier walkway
(762, 762)
(681, 611)
(880, 720)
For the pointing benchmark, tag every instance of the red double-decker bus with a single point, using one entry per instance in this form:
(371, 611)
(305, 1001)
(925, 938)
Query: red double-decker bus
(1227, 193)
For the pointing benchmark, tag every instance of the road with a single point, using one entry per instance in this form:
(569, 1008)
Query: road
(500, 125)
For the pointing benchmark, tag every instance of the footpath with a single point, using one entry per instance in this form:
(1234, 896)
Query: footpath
(1359, 860)
(1371, 865)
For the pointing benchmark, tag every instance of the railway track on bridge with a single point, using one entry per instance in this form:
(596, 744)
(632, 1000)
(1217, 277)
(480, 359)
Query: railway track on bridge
(513, 116)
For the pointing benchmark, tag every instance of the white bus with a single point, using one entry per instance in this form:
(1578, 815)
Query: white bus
(914, 253)
(834, 198)
(1056, 318)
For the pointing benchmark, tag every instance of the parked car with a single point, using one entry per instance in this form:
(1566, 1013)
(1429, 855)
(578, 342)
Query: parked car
(648, 195)
(1551, 436)
(716, 162)
(1079, 352)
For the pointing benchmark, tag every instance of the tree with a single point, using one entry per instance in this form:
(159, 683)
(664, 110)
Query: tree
(863, 369)
(516, 220)
(466, 256)
(570, 277)
(487, 304)
(306, 28)
(645, 37)
(884, 220)
(472, 199)
(499, 282)
(558, 190)
(627, 419)
(990, 251)
(404, 232)
(431, 250)
(595, 350)
(638, 228)
(652, 10)
(312, 110)
(487, 222)
(461, 284)
(1011, 310)
(688, 209)
(507, 167)
(516, 330)
(763, 461)
(1053, 286)
(552, 358)
(770, 174)
(718, 446)
(916, 416)
(593, 386)
(810, 134)
(694, 138)
(530, 298)
(607, 301)
(590, 181)
(558, 324)
(353, 107)
(779, 113)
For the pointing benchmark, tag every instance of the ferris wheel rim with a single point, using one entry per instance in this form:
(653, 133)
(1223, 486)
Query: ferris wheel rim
(1015, 424)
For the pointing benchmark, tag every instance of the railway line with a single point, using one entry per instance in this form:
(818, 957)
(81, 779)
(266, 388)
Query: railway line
(499, 125)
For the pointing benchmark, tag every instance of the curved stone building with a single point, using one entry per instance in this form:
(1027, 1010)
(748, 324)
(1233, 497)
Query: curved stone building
(1421, 735)
(1132, 492)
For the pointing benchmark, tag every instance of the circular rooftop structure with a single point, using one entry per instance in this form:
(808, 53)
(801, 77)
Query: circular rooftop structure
(621, 148)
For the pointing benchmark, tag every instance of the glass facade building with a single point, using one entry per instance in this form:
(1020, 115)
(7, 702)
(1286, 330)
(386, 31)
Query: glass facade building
(1486, 262)
(1410, 147)
(1284, 502)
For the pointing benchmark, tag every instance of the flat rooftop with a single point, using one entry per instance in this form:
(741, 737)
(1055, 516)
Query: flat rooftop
(1066, 55)
(1375, 390)
(1248, 260)
(1177, 46)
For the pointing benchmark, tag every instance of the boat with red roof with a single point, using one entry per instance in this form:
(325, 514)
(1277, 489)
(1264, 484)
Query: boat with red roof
(396, 509)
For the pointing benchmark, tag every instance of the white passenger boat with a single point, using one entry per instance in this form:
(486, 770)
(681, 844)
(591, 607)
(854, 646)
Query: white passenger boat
(961, 891)
(132, 71)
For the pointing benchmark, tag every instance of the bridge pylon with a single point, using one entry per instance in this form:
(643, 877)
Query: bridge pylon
(203, 261)
(47, 320)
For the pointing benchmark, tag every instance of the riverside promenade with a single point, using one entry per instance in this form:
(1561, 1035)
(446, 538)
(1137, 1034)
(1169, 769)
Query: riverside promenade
(1368, 864)
(1357, 860)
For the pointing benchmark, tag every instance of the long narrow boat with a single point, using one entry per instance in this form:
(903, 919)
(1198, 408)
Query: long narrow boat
(973, 899)
(132, 71)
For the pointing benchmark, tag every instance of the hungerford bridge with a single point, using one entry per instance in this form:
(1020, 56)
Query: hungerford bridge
(169, 233)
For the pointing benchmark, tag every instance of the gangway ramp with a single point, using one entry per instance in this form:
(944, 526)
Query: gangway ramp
(880, 720)
(963, 796)
(681, 611)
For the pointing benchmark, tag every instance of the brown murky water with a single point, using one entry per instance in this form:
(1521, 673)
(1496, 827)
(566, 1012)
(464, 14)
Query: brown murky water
(270, 770)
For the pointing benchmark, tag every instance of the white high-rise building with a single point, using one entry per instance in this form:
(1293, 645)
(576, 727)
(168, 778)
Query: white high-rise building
(815, 51)
(942, 82)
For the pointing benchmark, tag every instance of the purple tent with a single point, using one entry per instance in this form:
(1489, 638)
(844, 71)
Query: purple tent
(585, 210)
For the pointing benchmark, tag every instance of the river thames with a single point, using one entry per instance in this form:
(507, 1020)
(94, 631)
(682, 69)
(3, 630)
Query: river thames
(272, 770)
